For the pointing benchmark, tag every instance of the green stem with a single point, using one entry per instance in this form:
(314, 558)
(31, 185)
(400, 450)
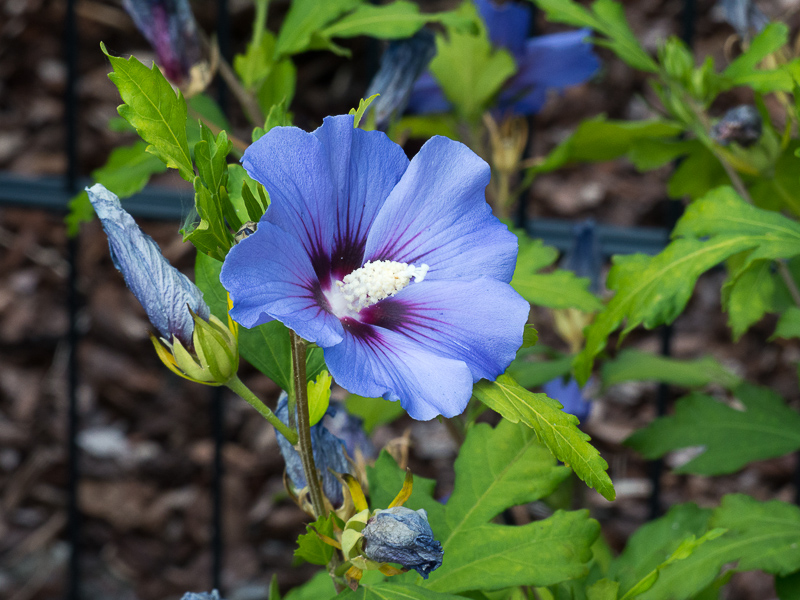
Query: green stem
(237, 387)
(304, 425)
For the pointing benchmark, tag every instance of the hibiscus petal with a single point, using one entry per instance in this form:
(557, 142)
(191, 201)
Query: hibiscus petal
(373, 362)
(365, 166)
(508, 23)
(270, 276)
(326, 187)
(554, 61)
(479, 322)
(437, 215)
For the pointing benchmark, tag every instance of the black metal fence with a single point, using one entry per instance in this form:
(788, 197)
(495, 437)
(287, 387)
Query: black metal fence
(52, 194)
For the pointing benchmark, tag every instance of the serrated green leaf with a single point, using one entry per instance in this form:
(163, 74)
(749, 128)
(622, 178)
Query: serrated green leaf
(499, 468)
(770, 427)
(635, 365)
(651, 291)
(789, 324)
(126, 172)
(557, 289)
(496, 556)
(470, 71)
(396, 20)
(241, 195)
(654, 542)
(304, 19)
(373, 411)
(319, 587)
(153, 109)
(394, 591)
(555, 428)
(310, 547)
(761, 535)
(748, 295)
(742, 71)
(319, 397)
(266, 347)
(363, 105)
(606, 17)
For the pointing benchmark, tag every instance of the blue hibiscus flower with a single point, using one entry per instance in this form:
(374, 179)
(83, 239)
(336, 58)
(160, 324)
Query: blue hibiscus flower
(554, 61)
(396, 268)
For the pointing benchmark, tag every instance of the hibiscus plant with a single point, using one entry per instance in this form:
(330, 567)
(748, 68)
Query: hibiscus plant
(329, 257)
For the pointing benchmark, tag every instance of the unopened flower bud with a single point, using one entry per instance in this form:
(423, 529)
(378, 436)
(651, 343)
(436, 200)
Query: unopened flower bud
(401, 535)
(329, 455)
(741, 125)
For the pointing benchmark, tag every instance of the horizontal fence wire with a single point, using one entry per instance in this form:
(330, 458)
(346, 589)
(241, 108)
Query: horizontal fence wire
(166, 204)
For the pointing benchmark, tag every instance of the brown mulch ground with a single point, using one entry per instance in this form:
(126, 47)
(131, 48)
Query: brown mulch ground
(146, 435)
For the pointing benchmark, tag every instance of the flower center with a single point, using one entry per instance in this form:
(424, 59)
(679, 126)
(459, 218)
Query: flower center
(377, 280)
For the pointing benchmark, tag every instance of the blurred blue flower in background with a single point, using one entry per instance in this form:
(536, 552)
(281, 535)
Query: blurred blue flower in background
(396, 268)
(555, 61)
(349, 429)
(165, 293)
(401, 535)
(329, 455)
(170, 28)
(570, 395)
(214, 595)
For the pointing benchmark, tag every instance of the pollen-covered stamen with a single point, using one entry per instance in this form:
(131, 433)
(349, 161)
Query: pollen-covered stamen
(378, 280)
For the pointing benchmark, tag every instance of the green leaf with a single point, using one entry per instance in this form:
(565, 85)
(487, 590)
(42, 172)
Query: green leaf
(153, 109)
(319, 587)
(126, 172)
(654, 290)
(470, 71)
(266, 347)
(603, 589)
(529, 336)
(749, 294)
(256, 63)
(698, 173)
(498, 468)
(789, 324)
(319, 397)
(363, 105)
(278, 87)
(310, 547)
(761, 535)
(386, 480)
(397, 20)
(244, 194)
(374, 411)
(635, 365)
(530, 374)
(606, 17)
(558, 289)
(304, 19)
(555, 428)
(788, 587)
(770, 427)
(654, 542)
(742, 71)
(211, 235)
(390, 590)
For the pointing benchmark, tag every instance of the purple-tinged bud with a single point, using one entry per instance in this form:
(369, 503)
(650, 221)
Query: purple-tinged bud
(401, 65)
(744, 17)
(170, 28)
(742, 125)
(214, 595)
(401, 535)
(349, 429)
(166, 294)
(329, 455)
(570, 395)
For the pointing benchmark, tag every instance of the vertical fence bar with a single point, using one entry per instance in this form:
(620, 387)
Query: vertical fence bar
(70, 182)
